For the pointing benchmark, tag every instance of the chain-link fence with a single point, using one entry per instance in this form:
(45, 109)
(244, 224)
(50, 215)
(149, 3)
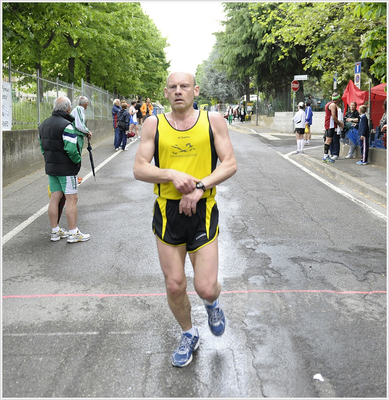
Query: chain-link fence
(33, 98)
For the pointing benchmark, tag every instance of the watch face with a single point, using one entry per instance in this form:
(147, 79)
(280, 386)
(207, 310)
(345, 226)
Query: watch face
(199, 185)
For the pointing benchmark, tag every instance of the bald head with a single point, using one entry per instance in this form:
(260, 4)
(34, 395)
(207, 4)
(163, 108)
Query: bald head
(62, 104)
(187, 74)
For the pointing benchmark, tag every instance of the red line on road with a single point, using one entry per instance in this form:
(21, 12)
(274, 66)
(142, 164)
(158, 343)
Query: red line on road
(164, 294)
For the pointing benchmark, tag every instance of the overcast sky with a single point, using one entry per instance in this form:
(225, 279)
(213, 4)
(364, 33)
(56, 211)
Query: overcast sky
(188, 27)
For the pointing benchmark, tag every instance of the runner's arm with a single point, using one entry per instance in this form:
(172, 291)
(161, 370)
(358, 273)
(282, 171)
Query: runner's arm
(227, 166)
(334, 114)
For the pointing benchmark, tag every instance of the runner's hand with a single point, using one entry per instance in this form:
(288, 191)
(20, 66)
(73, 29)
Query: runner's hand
(183, 182)
(188, 202)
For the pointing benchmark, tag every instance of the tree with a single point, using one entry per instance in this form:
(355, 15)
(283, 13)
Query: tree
(268, 43)
(332, 44)
(375, 39)
(118, 57)
(236, 47)
(215, 83)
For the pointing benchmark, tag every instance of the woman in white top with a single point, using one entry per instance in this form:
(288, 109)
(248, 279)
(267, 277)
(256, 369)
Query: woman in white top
(299, 120)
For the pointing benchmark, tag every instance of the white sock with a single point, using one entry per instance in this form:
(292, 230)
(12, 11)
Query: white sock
(192, 331)
(302, 144)
(207, 303)
(73, 231)
(54, 230)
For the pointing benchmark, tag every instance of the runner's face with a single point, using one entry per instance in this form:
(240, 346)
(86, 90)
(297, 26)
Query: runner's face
(180, 90)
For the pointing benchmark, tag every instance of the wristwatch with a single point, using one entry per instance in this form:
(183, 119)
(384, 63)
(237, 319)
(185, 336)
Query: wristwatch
(200, 185)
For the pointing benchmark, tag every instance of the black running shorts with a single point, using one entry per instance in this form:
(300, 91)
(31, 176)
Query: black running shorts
(330, 133)
(177, 229)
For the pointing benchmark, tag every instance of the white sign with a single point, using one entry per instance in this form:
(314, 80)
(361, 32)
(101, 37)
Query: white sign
(300, 77)
(6, 119)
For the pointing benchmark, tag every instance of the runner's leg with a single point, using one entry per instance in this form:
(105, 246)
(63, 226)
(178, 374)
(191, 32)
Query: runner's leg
(172, 261)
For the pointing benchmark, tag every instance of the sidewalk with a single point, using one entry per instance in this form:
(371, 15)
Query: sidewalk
(370, 179)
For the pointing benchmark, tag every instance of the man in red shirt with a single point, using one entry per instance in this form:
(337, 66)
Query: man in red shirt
(330, 124)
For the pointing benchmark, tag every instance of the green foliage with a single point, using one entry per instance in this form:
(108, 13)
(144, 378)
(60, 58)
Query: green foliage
(374, 41)
(214, 83)
(268, 43)
(112, 45)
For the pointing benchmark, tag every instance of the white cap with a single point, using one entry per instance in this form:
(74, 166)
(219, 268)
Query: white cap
(301, 104)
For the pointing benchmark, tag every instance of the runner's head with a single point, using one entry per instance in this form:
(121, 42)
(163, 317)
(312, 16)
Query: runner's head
(180, 90)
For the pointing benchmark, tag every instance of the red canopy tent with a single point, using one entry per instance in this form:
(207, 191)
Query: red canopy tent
(377, 98)
(378, 95)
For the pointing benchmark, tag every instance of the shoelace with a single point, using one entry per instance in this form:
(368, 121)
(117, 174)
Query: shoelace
(185, 344)
(216, 315)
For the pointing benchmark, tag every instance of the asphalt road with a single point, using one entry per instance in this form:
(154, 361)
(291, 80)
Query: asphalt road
(303, 274)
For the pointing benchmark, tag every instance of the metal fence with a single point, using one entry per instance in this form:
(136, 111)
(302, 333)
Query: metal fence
(33, 98)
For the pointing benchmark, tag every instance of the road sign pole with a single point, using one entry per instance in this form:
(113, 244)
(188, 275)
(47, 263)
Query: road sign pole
(294, 96)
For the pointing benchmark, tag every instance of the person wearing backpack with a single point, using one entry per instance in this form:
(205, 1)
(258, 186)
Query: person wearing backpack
(123, 125)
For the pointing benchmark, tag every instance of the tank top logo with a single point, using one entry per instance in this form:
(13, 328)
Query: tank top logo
(188, 148)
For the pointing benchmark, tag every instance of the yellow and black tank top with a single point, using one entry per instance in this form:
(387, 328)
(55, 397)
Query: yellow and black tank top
(191, 151)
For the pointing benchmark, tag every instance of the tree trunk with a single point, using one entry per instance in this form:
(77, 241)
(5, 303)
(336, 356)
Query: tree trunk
(88, 71)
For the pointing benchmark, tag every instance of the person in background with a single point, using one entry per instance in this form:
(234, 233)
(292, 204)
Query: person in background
(139, 115)
(242, 114)
(230, 114)
(58, 141)
(364, 133)
(133, 119)
(82, 131)
(115, 111)
(147, 109)
(335, 144)
(308, 122)
(123, 124)
(195, 106)
(330, 123)
(351, 120)
(299, 120)
(185, 218)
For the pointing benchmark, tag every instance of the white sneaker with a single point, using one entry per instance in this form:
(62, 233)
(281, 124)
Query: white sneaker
(78, 237)
(349, 156)
(61, 234)
(334, 157)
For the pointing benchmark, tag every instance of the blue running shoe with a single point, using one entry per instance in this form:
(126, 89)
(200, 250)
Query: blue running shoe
(361, 163)
(328, 160)
(183, 354)
(216, 318)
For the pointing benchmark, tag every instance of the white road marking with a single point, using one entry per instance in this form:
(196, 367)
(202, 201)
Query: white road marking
(336, 189)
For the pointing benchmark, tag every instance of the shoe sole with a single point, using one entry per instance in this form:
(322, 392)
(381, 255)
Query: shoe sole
(58, 238)
(75, 241)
